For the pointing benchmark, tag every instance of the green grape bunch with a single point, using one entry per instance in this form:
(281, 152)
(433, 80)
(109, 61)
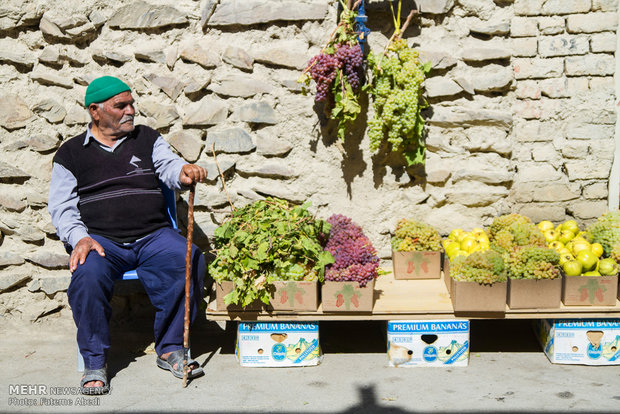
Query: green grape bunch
(396, 86)
(411, 236)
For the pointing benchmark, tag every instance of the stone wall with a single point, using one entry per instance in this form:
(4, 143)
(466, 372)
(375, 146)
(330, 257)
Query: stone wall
(522, 114)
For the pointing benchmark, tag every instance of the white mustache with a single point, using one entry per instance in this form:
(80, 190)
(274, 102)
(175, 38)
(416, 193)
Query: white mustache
(126, 118)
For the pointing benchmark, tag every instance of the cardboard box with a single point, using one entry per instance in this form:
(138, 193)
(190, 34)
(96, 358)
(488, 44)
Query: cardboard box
(295, 296)
(446, 273)
(416, 265)
(282, 344)
(288, 295)
(347, 296)
(474, 297)
(223, 289)
(534, 293)
(580, 341)
(590, 290)
(423, 343)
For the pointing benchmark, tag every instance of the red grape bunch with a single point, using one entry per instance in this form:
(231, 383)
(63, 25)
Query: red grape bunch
(355, 257)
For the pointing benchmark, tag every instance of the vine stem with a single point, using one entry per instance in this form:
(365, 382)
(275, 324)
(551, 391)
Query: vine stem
(217, 164)
(397, 35)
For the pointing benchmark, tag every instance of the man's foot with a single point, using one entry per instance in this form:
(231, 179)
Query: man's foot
(94, 382)
(173, 362)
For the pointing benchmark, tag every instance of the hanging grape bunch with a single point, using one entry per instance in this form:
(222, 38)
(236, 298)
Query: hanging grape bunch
(337, 71)
(396, 87)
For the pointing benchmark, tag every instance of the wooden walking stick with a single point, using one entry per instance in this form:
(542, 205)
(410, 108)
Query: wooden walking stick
(188, 271)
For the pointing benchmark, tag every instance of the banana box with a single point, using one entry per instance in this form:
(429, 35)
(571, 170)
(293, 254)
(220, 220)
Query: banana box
(424, 343)
(580, 341)
(282, 344)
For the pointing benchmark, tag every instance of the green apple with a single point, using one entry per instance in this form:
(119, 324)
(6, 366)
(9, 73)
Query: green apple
(469, 243)
(592, 273)
(556, 245)
(587, 259)
(455, 234)
(578, 246)
(597, 249)
(565, 257)
(572, 268)
(452, 248)
(571, 225)
(550, 235)
(545, 225)
(566, 236)
(608, 267)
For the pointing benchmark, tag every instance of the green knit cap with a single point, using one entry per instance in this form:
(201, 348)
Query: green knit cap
(104, 88)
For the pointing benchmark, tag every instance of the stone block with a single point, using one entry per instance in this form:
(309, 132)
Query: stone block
(556, 88)
(164, 115)
(544, 153)
(208, 111)
(536, 172)
(188, 143)
(475, 194)
(492, 78)
(441, 87)
(590, 65)
(13, 202)
(575, 149)
(9, 259)
(193, 53)
(270, 146)
(240, 86)
(558, 7)
(49, 259)
(256, 113)
(287, 54)
(140, 15)
(542, 211)
(601, 149)
(10, 279)
(487, 139)
(434, 6)
(563, 45)
(277, 189)
(587, 209)
(596, 191)
(524, 47)
(462, 116)
(491, 28)
(551, 25)
(77, 115)
(580, 130)
(535, 131)
(9, 172)
(578, 85)
(538, 68)
(265, 168)
(16, 53)
(50, 110)
(439, 60)
(528, 7)
(51, 79)
(487, 168)
(587, 170)
(195, 86)
(604, 5)
(170, 85)
(238, 57)
(603, 43)
(605, 84)
(523, 27)
(526, 193)
(251, 12)
(213, 174)
(14, 113)
(481, 54)
(592, 22)
(528, 89)
(232, 140)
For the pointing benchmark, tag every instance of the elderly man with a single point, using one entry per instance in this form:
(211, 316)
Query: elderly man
(107, 206)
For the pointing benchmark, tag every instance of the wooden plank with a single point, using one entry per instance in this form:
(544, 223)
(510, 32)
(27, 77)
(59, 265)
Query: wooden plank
(415, 299)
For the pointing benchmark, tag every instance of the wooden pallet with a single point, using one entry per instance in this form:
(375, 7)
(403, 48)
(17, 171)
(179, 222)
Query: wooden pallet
(413, 299)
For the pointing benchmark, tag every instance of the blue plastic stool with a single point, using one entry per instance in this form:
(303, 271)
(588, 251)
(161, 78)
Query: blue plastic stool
(171, 215)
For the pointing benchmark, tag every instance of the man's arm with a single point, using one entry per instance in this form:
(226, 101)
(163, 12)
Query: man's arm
(172, 170)
(63, 207)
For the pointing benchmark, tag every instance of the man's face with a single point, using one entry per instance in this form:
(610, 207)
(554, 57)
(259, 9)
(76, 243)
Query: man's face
(116, 116)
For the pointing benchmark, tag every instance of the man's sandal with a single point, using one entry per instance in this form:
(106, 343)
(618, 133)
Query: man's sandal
(176, 357)
(91, 375)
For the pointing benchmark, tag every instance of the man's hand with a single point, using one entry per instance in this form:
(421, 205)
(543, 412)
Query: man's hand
(192, 174)
(82, 248)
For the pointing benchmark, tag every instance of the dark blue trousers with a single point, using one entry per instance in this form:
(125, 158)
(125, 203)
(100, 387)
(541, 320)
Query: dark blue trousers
(159, 260)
